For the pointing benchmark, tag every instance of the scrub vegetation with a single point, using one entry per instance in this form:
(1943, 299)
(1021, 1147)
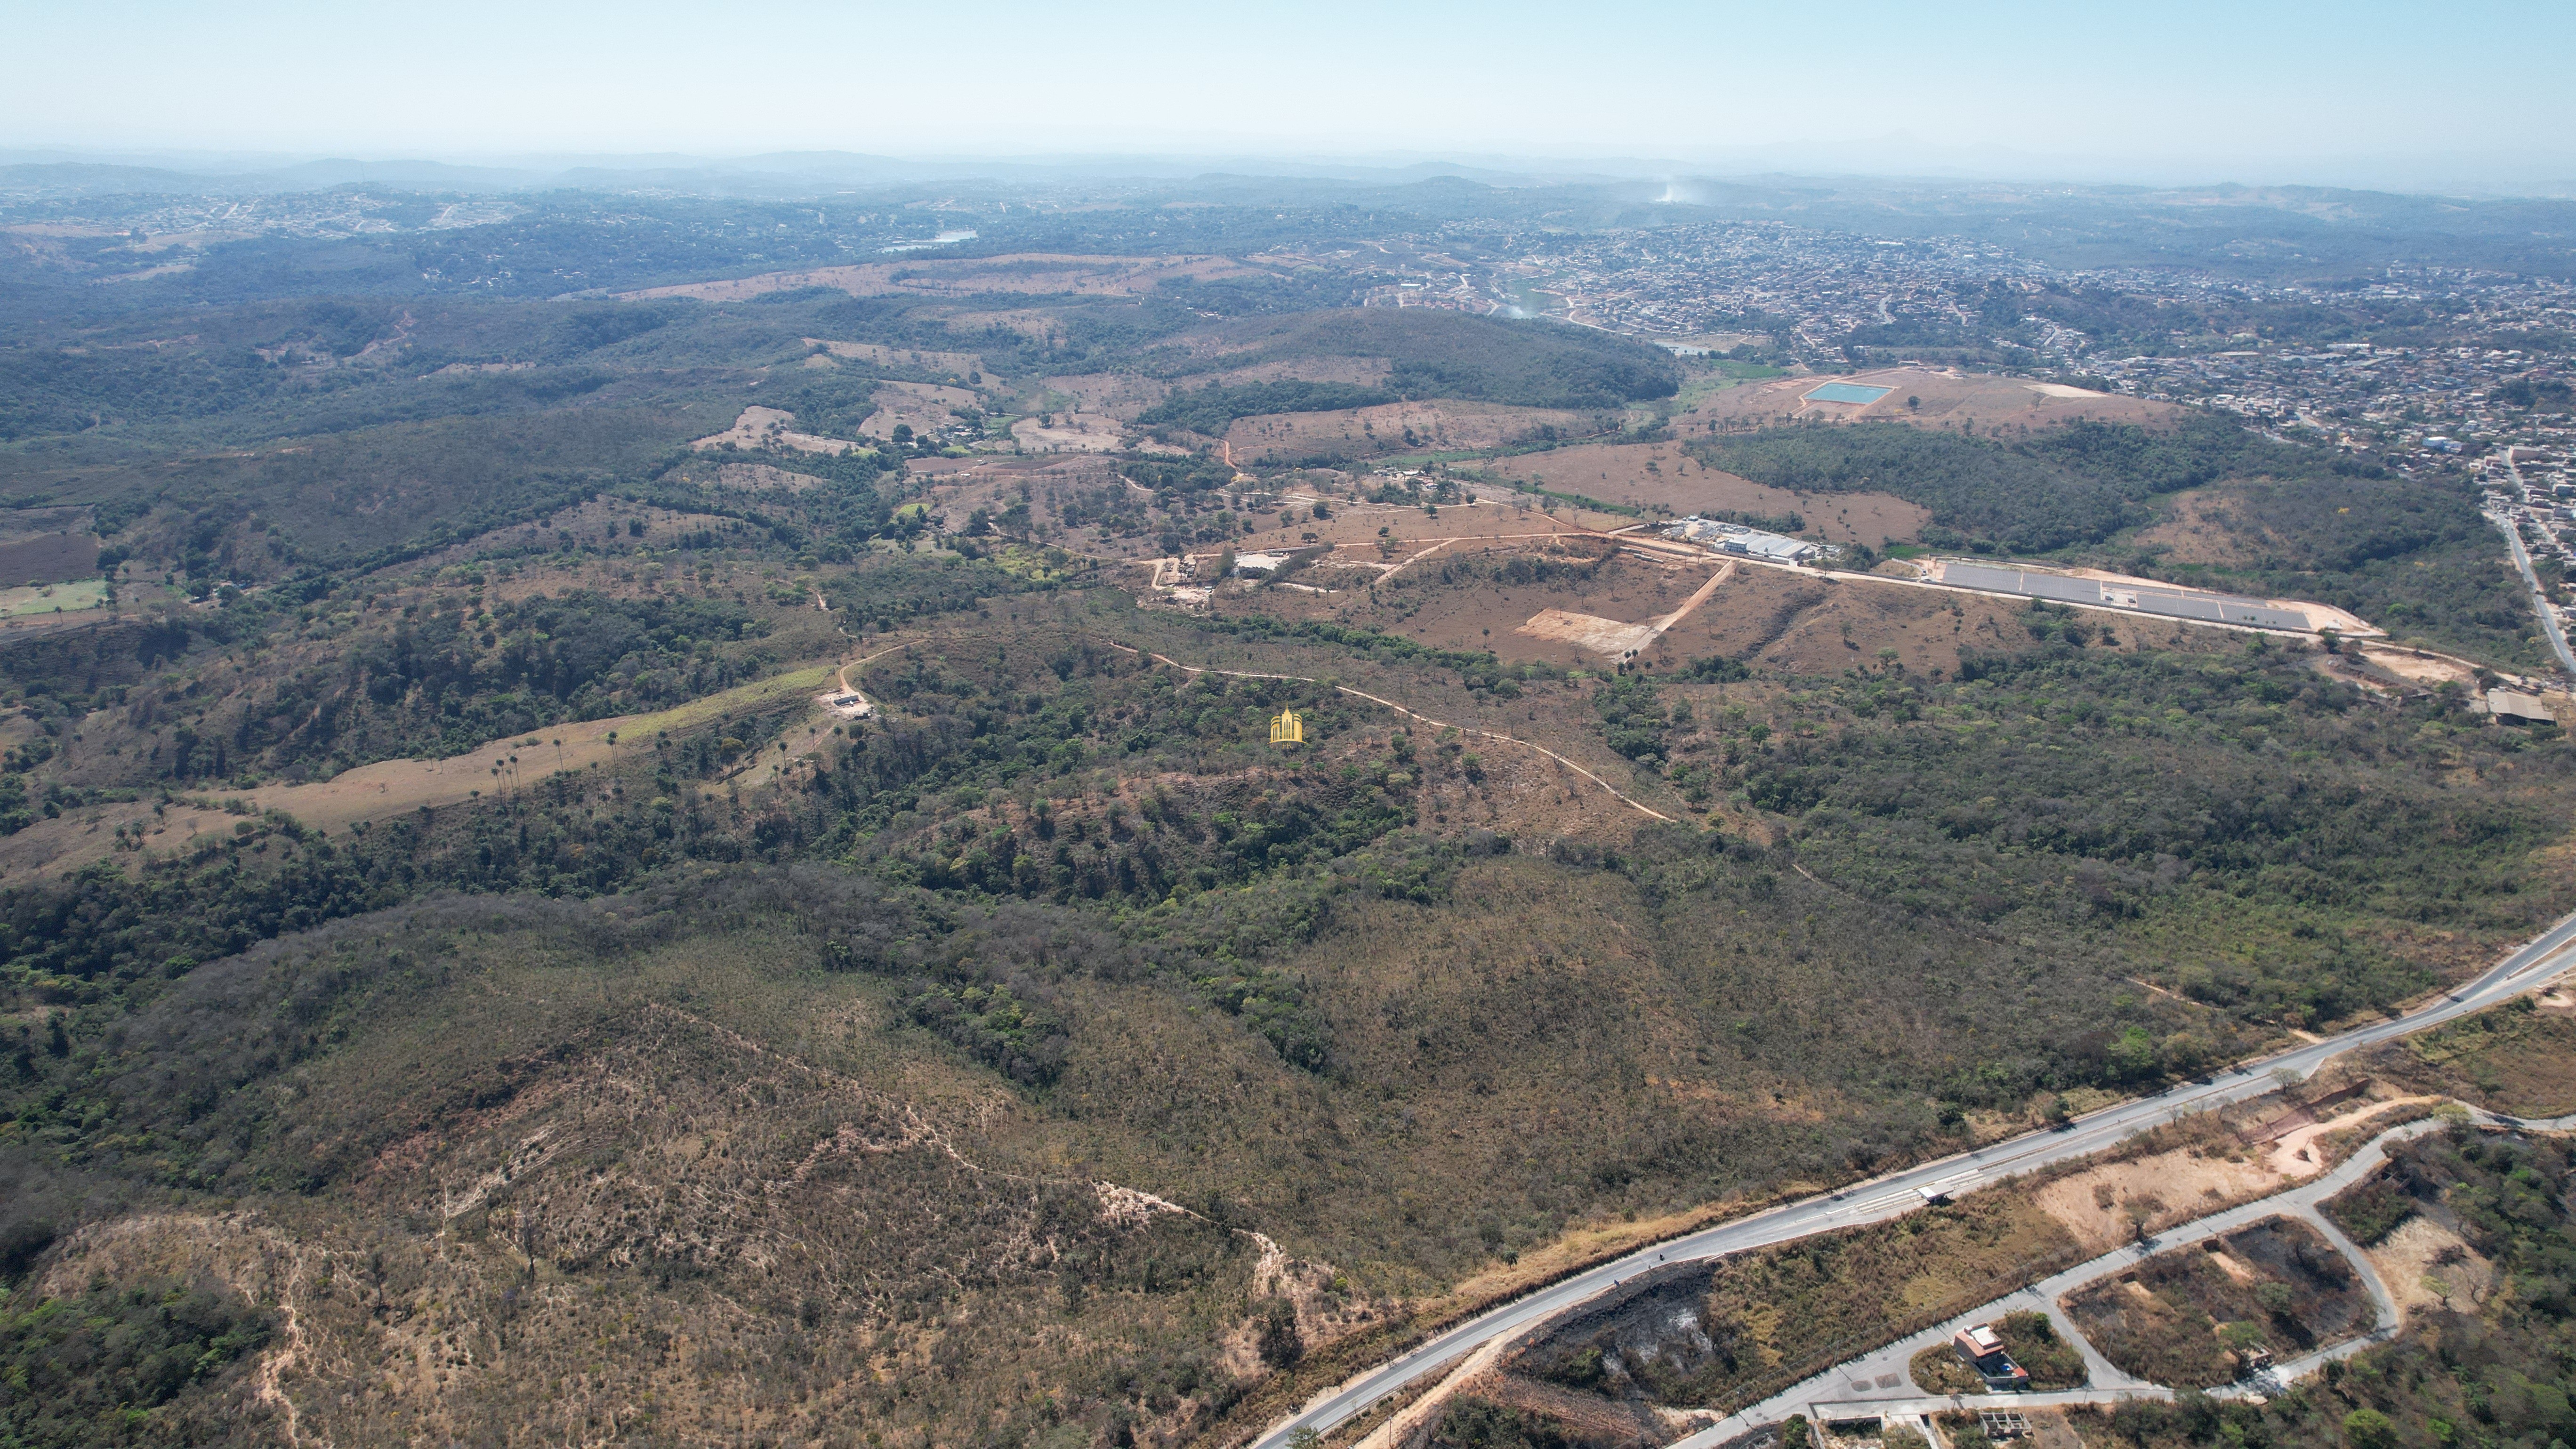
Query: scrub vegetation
(1039, 1055)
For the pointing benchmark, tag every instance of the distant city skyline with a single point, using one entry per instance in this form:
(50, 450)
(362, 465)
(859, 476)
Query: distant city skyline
(2358, 94)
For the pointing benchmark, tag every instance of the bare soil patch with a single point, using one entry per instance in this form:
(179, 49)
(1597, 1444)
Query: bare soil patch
(2167, 1188)
(2421, 668)
(922, 405)
(1606, 637)
(2305, 1150)
(760, 427)
(1457, 598)
(1787, 619)
(1070, 433)
(2423, 1253)
(2198, 528)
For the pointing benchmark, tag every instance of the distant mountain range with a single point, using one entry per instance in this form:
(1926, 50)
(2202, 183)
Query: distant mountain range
(783, 174)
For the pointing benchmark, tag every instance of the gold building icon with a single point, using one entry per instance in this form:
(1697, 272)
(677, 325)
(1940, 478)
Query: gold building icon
(1287, 729)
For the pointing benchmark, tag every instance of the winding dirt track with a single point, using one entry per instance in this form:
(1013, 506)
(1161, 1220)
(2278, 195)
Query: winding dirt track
(1622, 796)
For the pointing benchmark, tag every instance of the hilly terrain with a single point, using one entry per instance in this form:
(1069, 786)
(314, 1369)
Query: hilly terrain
(716, 864)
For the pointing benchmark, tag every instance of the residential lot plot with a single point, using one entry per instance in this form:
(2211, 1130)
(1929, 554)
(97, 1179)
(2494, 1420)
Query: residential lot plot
(2200, 1316)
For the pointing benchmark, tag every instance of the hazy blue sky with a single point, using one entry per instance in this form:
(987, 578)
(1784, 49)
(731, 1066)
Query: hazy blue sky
(2248, 91)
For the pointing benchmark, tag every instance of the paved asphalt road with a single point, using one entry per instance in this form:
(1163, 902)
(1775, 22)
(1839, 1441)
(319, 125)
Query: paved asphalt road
(1886, 1197)
(2539, 600)
(2522, 561)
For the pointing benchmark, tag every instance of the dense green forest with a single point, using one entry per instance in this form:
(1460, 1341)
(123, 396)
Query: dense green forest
(2243, 803)
(1212, 409)
(103, 1365)
(1437, 353)
(2075, 484)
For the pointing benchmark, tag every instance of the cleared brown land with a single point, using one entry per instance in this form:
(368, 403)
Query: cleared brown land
(1032, 273)
(1360, 432)
(960, 363)
(760, 427)
(2422, 1249)
(1948, 399)
(2163, 1320)
(2165, 1188)
(1070, 432)
(924, 405)
(1771, 617)
(1659, 475)
(49, 559)
(2198, 528)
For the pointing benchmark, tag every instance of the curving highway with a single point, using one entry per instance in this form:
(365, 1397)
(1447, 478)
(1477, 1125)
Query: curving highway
(1881, 1198)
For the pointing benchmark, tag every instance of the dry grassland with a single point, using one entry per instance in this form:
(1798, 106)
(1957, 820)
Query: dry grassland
(960, 363)
(2158, 1320)
(390, 787)
(44, 601)
(761, 477)
(1120, 395)
(1039, 274)
(924, 405)
(1444, 426)
(49, 558)
(1460, 527)
(573, 1213)
(1071, 432)
(2196, 530)
(1660, 476)
(2522, 1063)
(760, 427)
